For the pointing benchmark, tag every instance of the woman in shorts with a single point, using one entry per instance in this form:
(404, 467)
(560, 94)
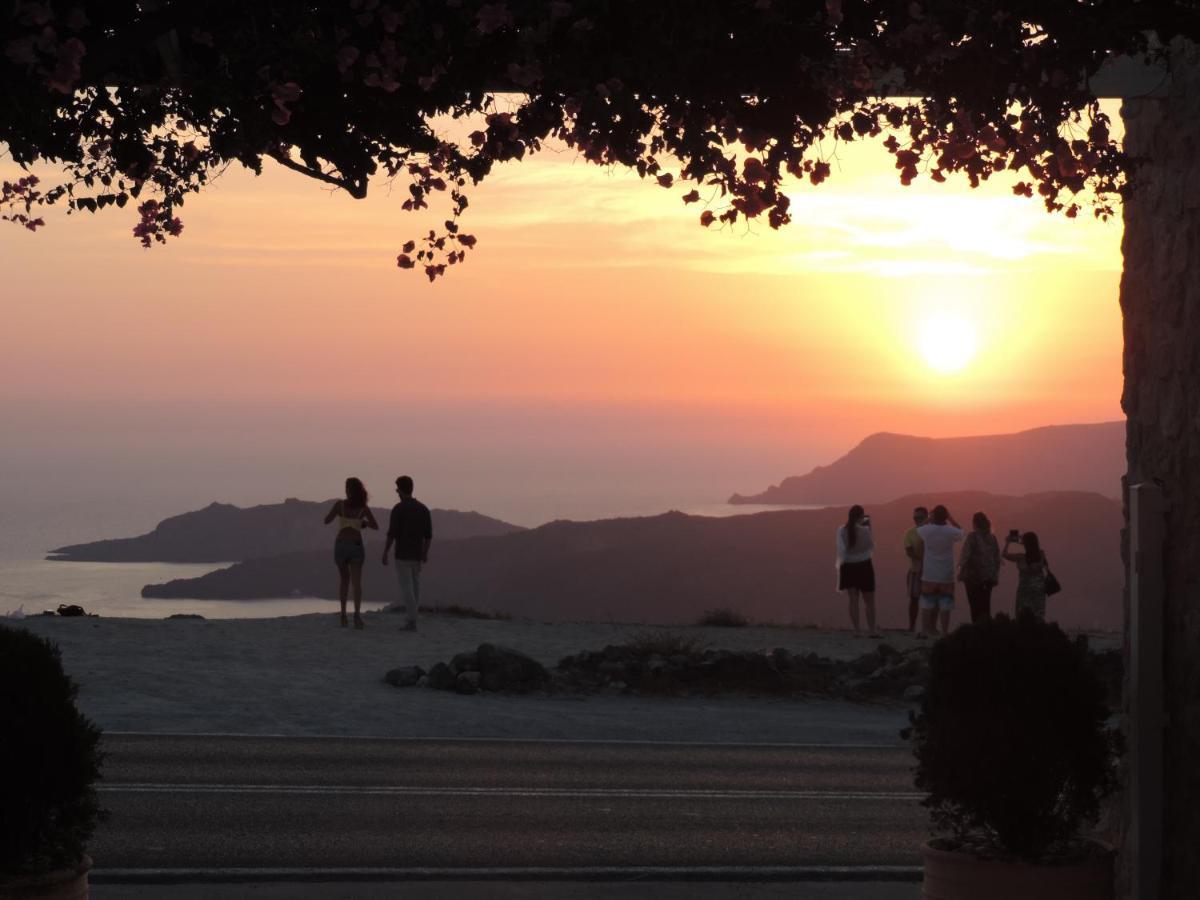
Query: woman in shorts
(353, 515)
(856, 573)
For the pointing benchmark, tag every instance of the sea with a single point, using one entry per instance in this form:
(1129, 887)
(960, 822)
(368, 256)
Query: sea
(31, 585)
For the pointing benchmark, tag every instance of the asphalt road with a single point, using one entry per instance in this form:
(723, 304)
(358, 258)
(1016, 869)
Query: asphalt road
(229, 808)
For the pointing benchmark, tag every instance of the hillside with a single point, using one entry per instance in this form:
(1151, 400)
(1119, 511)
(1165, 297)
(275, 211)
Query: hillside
(774, 566)
(885, 466)
(222, 532)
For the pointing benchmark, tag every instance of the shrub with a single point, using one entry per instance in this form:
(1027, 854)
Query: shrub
(1010, 739)
(723, 617)
(49, 759)
(660, 642)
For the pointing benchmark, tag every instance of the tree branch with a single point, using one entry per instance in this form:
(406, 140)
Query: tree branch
(356, 189)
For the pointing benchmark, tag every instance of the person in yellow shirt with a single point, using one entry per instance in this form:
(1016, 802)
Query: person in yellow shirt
(914, 549)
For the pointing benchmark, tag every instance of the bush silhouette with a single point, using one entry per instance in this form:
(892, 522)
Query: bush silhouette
(49, 759)
(1010, 739)
(724, 617)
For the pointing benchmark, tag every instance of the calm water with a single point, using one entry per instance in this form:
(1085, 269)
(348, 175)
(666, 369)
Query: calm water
(114, 589)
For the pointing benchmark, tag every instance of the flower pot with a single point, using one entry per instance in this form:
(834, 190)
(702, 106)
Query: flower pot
(61, 884)
(960, 876)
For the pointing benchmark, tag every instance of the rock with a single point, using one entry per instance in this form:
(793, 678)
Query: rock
(864, 665)
(914, 692)
(468, 682)
(440, 678)
(679, 660)
(464, 662)
(491, 682)
(887, 651)
(405, 676)
(512, 667)
(611, 668)
(185, 616)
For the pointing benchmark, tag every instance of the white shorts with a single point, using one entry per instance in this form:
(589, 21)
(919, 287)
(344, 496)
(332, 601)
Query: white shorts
(943, 602)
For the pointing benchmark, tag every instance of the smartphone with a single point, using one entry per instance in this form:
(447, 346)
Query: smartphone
(1014, 535)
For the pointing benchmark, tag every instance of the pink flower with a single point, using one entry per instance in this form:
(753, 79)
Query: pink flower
(492, 17)
(346, 57)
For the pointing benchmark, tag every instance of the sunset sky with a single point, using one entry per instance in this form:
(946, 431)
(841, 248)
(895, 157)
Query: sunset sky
(599, 352)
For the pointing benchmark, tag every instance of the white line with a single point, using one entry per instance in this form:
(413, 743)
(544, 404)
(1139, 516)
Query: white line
(585, 793)
(811, 745)
(548, 873)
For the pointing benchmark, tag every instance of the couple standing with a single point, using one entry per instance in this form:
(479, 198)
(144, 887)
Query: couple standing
(410, 529)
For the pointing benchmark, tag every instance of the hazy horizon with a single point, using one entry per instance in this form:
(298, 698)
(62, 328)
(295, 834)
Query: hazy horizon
(598, 353)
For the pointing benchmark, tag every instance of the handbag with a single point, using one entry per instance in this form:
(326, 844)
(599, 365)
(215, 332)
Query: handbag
(1052, 585)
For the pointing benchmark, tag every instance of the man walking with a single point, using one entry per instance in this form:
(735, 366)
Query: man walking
(914, 550)
(411, 529)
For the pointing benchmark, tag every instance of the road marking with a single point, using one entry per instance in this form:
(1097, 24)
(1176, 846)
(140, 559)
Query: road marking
(404, 791)
(810, 745)
(511, 873)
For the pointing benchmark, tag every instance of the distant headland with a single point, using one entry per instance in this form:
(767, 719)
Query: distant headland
(886, 466)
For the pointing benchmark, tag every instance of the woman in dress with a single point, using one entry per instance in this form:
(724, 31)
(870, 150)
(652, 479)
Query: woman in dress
(353, 514)
(979, 567)
(856, 573)
(1032, 567)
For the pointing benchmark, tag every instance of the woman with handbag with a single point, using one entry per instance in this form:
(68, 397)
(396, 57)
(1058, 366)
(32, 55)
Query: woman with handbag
(1035, 581)
(979, 567)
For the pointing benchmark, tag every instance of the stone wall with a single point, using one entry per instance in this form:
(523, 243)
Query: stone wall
(1160, 299)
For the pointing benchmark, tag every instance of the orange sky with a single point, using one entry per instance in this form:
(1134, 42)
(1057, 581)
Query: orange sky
(596, 332)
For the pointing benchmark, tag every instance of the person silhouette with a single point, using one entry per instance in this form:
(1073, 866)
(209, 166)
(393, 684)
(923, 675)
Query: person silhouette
(1032, 568)
(856, 572)
(353, 514)
(410, 527)
(979, 567)
(938, 537)
(914, 550)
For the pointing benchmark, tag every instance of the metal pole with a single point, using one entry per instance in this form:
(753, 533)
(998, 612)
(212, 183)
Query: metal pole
(1147, 523)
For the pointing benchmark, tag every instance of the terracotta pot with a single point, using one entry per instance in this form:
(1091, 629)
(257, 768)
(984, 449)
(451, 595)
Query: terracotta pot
(61, 884)
(960, 876)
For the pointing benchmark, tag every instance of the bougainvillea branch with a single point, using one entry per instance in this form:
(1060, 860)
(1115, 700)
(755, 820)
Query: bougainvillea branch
(154, 97)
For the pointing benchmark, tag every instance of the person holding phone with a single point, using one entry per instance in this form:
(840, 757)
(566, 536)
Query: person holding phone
(856, 572)
(938, 536)
(1032, 568)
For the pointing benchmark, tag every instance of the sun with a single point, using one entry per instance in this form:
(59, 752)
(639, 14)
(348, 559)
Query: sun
(948, 342)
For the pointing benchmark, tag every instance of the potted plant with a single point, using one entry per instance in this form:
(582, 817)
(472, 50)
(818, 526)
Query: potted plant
(1014, 752)
(49, 762)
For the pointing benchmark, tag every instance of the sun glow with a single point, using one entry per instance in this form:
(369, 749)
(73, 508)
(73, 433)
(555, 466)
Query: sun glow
(947, 342)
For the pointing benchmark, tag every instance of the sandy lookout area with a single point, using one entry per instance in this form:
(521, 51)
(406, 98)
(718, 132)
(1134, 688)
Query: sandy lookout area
(304, 675)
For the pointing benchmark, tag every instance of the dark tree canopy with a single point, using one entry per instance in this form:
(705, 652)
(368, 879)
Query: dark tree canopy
(146, 100)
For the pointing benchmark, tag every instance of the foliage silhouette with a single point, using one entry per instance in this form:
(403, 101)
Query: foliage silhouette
(1010, 739)
(146, 101)
(49, 759)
